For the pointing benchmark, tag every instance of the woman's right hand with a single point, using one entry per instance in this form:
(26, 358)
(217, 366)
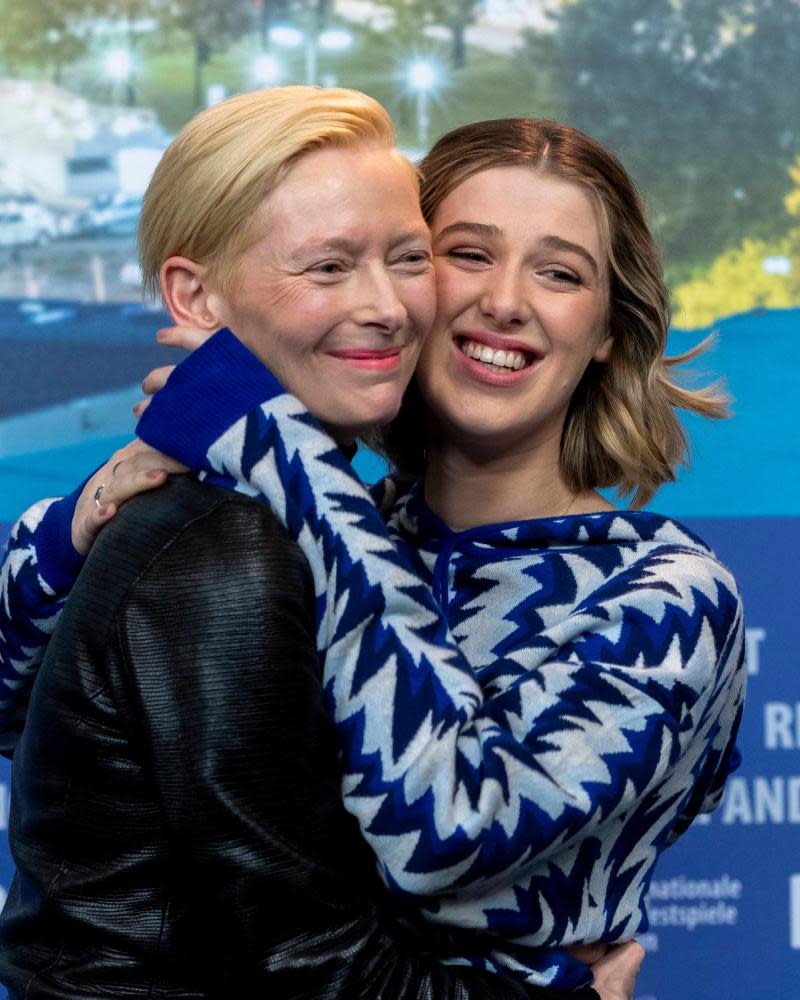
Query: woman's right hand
(133, 469)
(616, 971)
(187, 337)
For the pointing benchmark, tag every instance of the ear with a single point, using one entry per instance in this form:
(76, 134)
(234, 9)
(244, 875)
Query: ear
(604, 348)
(188, 295)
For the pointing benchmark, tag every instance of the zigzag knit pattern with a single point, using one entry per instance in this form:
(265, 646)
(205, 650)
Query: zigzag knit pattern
(29, 611)
(528, 792)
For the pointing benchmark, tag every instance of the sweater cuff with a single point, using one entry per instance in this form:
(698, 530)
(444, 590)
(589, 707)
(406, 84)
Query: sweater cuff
(208, 393)
(58, 561)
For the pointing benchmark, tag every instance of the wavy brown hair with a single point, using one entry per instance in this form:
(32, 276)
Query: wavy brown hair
(621, 429)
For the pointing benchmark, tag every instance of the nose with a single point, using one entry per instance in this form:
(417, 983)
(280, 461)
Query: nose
(379, 304)
(506, 300)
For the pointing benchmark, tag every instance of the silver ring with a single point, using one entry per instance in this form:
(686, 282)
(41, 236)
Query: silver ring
(114, 470)
(97, 493)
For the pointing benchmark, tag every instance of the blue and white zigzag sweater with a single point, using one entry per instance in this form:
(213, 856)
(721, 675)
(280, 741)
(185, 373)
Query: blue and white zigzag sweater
(38, 571)
(525, 783)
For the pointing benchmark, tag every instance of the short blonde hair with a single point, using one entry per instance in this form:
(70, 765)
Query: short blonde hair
(203, 198)
(621, 429)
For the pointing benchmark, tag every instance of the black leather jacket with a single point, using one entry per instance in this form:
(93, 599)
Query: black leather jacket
(176, 818)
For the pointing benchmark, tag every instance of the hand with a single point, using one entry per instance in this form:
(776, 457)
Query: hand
(187, 337)
(133, 469)
(615, 973)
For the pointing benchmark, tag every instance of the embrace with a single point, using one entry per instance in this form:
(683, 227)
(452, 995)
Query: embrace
(280, 737)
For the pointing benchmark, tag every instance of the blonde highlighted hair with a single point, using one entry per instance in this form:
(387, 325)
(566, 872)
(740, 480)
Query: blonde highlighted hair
(204, 196)
(621, 430)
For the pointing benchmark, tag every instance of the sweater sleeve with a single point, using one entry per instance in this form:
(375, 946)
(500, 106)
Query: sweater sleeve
(452, 788)
(39, 568)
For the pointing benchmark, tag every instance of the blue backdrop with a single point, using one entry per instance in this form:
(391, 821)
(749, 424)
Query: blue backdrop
(725, 903)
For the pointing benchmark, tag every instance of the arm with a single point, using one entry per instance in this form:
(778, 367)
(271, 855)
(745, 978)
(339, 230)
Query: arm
(44, 555)
(38, 570)
(457, 789)
(246, 772)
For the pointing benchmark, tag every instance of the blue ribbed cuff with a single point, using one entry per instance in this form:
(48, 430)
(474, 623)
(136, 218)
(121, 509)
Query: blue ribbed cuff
(207, 393)
(59, 562)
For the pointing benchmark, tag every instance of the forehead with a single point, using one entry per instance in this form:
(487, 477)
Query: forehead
(336, 189)
(526, 205)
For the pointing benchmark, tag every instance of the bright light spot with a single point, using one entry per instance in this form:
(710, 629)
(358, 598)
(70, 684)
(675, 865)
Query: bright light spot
(215, 94)
(266, 69)
(335, 40)
(777, 265)
(286, 35)
(421, 75)
(118, 64)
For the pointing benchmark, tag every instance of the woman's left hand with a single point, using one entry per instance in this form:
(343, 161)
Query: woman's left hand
(131, 470)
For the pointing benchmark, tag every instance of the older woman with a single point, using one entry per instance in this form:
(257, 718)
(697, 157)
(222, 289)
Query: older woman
(176, 817)
(607, 647)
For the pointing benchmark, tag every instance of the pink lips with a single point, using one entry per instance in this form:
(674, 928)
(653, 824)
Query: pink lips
(494, 376)
(372, 360)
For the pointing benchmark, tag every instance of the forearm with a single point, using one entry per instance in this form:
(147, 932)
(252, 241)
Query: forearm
(38, 570)
(457, 788)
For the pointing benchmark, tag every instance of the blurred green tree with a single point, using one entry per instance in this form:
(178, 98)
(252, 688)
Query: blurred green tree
(414, 16)
(46, 34)
(755, 273)
(212, 26)
(699, 99)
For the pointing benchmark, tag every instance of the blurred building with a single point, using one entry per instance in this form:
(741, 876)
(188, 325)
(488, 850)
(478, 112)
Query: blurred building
(64, 151)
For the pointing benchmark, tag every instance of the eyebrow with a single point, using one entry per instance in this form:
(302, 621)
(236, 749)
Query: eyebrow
(557, 243)
(495, 232)
(326, 244)
(478, 228)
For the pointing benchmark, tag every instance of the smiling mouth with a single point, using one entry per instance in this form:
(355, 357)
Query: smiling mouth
(497, 359)
(375, 360)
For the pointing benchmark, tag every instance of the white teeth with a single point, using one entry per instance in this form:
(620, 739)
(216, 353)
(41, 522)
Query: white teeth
(500, 359)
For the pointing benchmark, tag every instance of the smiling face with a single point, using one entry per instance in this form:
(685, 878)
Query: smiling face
(337, 294)
(522, 290)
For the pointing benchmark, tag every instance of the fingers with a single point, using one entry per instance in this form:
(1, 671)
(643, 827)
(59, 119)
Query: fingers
(140, 407)
(615, 974)
(588, 953)
(187, 337)
(153, 381)
(157, 379)
(133, 469)
(87, 527)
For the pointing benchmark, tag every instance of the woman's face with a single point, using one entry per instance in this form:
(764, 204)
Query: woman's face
(337, 294)
(522, 293)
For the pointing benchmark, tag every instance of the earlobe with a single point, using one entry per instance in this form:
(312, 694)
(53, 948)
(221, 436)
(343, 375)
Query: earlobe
(603, 352)
(187, 294)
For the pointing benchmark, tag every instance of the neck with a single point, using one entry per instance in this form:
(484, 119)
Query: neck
(467, 488)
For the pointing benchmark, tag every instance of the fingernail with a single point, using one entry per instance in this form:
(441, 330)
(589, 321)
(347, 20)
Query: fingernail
(102, 510)
(155, 473)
